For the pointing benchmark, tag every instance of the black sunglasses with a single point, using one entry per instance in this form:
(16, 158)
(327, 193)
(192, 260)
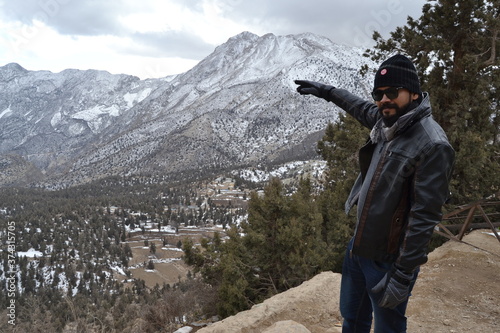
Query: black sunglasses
(391, 93)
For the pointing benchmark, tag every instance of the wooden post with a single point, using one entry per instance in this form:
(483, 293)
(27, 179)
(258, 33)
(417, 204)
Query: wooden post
(489, 222)
(467, 222)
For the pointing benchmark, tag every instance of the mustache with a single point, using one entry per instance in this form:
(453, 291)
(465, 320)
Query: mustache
(389, 106)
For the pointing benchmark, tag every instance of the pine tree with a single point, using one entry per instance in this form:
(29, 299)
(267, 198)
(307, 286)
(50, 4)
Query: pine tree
(239, 287)
(339, 147)
(279, 247)
(283, 237)
(205, 260)
(302, 237)
(267, 216)
(456, 49)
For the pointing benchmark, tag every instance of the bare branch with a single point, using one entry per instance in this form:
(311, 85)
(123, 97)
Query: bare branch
(491, 60)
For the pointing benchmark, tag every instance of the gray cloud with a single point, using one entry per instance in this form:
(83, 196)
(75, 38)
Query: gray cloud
(169, 44)
(68, 17)
(94, 18)
(349, 22)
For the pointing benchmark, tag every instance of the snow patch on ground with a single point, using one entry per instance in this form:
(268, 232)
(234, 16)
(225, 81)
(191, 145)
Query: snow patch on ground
(31, 253)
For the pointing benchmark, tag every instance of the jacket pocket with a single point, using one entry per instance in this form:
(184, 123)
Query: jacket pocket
(396, 229)
(402, 163)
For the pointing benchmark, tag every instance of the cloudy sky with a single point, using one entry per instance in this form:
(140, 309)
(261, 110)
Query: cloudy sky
(156, 38)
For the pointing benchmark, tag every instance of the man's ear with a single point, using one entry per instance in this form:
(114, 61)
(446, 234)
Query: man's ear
(414, 96)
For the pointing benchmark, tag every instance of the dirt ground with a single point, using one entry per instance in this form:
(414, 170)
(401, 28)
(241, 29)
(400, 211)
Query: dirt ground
(168, 265)
(458, 290)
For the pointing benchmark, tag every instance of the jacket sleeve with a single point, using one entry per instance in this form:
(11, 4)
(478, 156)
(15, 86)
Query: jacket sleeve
(365, 112)
(430, 192)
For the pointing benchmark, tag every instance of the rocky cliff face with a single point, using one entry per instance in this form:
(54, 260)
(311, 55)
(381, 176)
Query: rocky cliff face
(236, 107)
(310, 307)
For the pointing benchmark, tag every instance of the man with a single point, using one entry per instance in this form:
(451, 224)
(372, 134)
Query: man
(405, 170)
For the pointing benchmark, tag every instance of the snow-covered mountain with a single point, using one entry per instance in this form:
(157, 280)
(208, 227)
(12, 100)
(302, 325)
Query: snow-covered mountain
(237, 107)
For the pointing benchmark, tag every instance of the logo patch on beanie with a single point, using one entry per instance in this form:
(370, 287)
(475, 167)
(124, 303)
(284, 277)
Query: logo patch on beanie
(383, 71)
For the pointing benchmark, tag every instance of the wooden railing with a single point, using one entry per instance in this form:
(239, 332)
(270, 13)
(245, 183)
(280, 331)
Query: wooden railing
(469, 213)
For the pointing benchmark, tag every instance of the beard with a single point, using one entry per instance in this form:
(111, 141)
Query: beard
(389, 120)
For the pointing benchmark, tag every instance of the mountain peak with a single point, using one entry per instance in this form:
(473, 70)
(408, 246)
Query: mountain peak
(10, 70)
(245, 35)
(13, 66)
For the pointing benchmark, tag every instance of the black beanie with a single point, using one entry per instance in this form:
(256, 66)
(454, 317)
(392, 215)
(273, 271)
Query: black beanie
(397, 71)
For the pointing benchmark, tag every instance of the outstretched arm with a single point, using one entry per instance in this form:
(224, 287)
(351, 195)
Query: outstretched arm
(365, 112)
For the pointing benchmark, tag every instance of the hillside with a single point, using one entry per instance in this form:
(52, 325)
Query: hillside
(237, 108)
(457, 291)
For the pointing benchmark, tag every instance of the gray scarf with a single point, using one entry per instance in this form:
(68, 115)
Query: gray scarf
(380, 132)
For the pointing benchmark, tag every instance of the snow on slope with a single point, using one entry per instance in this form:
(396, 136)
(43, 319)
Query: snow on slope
(237, 107)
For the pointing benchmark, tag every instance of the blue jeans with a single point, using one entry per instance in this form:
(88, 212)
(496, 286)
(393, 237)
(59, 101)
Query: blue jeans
(358, 305)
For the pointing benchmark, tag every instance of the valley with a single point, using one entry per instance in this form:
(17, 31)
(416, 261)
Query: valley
(167, 264)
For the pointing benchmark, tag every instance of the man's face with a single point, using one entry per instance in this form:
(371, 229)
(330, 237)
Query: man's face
(390, 107)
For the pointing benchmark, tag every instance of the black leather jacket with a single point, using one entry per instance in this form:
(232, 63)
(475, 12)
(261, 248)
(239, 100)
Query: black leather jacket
(402, 185)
